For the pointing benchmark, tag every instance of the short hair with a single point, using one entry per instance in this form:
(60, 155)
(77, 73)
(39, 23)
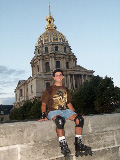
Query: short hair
(57, 70)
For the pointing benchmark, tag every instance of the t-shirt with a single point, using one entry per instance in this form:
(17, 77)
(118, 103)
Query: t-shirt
(56, 97)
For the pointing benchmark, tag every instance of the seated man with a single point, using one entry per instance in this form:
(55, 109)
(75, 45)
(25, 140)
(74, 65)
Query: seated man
(57, 98)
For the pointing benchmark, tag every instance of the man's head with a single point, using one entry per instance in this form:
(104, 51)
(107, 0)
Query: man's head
(58, 76)
(57, 70)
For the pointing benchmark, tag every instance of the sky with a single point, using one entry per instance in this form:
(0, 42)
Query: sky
(92, 28)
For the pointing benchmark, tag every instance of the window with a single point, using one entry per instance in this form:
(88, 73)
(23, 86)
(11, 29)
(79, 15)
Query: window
(47, 67)
(20, 92)
(57, 64)
(31, 89)
(67, 65)
(38, 68)
(38, 51)
(56, 48)
(16, 97)
(64, 49)
(47, 84)
(46, 49)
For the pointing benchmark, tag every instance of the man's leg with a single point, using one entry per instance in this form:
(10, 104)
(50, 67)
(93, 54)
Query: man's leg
(60, 132)
(60, 121)
(78, 130)
(80, 148)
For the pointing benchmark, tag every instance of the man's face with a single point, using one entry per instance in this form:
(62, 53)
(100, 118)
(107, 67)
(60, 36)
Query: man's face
(58, 77)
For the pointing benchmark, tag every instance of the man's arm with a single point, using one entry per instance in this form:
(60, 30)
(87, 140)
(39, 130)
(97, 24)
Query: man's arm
(70, 106)
(43, 108)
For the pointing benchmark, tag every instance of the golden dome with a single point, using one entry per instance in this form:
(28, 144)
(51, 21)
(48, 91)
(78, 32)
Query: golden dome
(51, 34)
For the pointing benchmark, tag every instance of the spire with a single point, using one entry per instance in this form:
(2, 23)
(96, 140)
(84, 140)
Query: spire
(49, 10)
(50, 21)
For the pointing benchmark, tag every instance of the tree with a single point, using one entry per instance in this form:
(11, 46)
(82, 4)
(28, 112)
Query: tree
(104, 96)
(30, 110)
(94, 97)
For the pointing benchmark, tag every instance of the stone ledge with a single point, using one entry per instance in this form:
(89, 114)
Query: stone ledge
(35, 140)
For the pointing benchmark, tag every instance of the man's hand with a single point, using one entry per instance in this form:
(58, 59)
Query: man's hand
(41, 120)
(43, 117)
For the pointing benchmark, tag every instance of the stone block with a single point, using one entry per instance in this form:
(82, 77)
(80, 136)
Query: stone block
(105, 154)
(16, 133)
(99, 123)
(100, 140)
(9, 153)
(40, 151)
(117, 137)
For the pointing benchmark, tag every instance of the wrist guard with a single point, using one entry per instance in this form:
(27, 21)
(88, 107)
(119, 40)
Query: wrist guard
(43, 115)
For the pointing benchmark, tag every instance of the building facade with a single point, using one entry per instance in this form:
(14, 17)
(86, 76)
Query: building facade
(52, 51)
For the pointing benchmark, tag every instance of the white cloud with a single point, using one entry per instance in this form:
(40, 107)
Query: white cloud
(9, 78)
(7, 101)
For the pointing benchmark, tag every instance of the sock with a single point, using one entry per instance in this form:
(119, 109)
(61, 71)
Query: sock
(61, 138)
(79, 136)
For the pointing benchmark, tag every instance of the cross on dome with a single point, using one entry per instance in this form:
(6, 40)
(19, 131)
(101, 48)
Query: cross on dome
(50, 21)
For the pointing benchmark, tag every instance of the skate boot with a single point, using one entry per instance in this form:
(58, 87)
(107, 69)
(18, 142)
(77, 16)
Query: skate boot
(64, 149)
(81, 149)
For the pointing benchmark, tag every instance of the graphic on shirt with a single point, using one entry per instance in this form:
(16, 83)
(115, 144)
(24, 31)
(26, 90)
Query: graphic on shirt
(60, 99)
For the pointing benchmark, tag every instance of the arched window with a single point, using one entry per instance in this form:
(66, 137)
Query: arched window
(64, 49)
(20, 92)
(56, 48)
(57, 64)
(38, 68)
(67, 65)
(47, 84)
(31, 89)
(46, 49)
(47, 67)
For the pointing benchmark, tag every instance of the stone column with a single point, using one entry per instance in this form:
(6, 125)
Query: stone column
(53, 62)
(63, 62)
(73, 81)
(69, 84)
(41, 65)
(51, 66)
(82, 79)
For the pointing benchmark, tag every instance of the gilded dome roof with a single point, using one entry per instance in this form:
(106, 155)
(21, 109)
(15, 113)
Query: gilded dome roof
(51, 34)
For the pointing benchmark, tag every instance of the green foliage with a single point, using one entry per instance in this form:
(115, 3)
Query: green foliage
(30, 110)
(96, 96)
(117, 95)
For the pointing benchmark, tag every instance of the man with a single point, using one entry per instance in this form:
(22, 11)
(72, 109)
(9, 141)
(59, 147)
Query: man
(57, 99)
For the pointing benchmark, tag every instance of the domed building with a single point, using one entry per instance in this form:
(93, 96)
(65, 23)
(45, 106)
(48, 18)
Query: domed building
(52, 51)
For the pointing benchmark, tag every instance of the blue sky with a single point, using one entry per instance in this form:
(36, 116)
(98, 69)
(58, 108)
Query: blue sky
(92, 28)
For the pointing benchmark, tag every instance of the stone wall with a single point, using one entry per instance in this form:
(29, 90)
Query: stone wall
(35, 140)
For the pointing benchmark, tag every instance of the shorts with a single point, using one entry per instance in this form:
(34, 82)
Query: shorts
(63, 113)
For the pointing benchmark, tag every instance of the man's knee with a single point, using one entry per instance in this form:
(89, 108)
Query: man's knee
(80, 120)
(60, 122)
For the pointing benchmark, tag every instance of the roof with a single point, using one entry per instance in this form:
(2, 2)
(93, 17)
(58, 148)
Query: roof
(51, 34)
(5, 109)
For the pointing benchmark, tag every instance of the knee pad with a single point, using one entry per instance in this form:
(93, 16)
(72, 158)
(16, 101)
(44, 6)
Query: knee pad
(81, 121)
(60, 121)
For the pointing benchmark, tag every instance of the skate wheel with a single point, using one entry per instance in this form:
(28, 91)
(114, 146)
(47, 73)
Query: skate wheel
(77, 154)
(86, 153)
(67, 157)
(90, 153)
(81, 154)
